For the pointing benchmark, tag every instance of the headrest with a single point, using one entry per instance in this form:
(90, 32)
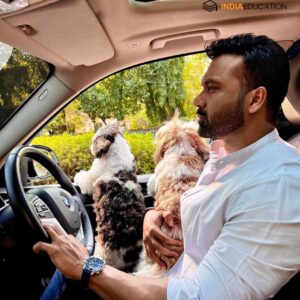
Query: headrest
(291, 104)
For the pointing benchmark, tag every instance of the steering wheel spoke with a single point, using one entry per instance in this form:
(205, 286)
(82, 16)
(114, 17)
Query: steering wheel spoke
(38, 206)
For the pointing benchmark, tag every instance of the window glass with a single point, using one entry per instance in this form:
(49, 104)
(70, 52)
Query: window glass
(143, 97)
(20, 74)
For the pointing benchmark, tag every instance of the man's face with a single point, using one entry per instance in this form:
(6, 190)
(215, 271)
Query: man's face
(221, 103)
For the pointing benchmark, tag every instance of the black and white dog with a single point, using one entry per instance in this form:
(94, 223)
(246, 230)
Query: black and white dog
(118, 200)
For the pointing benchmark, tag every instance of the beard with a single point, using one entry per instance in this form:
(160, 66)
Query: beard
(223, 122)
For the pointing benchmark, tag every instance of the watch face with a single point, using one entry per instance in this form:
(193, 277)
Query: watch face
(94, 264)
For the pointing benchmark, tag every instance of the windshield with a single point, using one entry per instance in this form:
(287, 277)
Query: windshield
(142, 98)
(20, 75)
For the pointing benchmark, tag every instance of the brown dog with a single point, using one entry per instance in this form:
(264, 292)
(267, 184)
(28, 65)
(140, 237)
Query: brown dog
(179, 156)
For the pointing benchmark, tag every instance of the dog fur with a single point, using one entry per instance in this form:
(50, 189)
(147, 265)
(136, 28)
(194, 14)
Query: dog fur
(179, 156)
(118, 200)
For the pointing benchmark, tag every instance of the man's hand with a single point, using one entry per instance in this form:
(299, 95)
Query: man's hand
(157, 241)
(65, 251)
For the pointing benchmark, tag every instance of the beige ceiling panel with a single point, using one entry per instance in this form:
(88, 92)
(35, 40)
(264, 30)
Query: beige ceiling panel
(80, 34)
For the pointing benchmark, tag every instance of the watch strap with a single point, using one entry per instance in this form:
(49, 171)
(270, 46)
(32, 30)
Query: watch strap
(85, 277)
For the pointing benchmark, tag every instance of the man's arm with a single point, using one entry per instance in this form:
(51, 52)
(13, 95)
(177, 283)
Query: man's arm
(68, 254)
(122, 286)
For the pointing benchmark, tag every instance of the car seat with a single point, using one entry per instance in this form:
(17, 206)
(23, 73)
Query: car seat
(289, 130)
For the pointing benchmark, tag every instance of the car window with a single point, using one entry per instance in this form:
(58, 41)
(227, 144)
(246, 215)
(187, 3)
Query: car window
(20, 74)
(143, 97)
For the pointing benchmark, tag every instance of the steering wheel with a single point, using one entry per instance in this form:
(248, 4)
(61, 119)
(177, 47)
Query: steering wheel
(61, 203)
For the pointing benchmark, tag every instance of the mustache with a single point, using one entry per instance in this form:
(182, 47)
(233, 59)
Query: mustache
(201, 112)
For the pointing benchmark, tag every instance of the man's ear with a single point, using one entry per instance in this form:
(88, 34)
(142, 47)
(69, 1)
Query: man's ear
(256, 99)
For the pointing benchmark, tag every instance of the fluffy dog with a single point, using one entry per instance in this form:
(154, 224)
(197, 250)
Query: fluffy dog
(118, 200)
(179, 156)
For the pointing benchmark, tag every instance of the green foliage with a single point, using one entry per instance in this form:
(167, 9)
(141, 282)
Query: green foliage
(194, 68)
(158, 87)
(164, 82)
(140, 121)
(142, 148)
(74, 154)
(114, 97)
(19, 77)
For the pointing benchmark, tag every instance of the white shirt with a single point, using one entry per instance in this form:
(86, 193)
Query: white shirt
(241, 224)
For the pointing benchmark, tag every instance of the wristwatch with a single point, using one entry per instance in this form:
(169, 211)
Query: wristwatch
(91, 265)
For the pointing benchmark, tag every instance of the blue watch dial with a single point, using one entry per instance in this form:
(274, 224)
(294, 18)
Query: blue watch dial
(95, 264)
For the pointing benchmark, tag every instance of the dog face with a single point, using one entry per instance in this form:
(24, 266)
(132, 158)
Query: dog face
(181, 138)
(105, 137)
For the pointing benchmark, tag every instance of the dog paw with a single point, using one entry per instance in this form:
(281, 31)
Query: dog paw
(82, 181)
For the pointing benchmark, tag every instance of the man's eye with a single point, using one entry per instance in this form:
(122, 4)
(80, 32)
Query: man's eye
(211, 89)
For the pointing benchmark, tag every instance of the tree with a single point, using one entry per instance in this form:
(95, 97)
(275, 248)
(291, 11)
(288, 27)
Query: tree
(114, 97)
(194, 69)
(157, 86)
(164, 82)
(19, 77)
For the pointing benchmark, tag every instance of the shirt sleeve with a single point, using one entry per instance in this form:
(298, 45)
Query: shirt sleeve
(257, 251)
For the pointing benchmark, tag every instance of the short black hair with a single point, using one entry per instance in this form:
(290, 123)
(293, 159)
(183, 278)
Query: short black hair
(265, 64)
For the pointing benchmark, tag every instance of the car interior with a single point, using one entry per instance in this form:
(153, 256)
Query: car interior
(83, 42)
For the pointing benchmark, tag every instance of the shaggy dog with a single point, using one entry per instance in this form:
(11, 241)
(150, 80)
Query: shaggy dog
(179, 156)
(118, 200)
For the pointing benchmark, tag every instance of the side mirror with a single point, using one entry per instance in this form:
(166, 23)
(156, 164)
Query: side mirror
(35, 171)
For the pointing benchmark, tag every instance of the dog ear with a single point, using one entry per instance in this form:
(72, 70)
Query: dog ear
(101, 146)
(163, 144)
(159, 153)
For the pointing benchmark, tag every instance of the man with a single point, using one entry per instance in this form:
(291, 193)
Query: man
(242, 221)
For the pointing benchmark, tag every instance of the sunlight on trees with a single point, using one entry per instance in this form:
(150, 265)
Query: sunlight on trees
(19, 77)
(194, 69)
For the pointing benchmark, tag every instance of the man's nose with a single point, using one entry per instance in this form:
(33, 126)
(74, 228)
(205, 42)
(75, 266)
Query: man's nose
(200, 101)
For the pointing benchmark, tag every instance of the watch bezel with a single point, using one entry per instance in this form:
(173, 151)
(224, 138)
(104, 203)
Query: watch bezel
(94, 264)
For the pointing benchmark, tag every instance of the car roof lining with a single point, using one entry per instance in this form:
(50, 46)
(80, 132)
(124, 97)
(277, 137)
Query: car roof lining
(131, 44)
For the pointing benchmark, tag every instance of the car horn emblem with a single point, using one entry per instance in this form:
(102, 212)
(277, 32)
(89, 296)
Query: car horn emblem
(65, 200)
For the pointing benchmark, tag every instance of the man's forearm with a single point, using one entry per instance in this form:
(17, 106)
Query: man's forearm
(112, 284)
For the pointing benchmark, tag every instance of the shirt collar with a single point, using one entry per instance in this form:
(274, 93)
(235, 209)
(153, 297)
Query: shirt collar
(219, 158)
